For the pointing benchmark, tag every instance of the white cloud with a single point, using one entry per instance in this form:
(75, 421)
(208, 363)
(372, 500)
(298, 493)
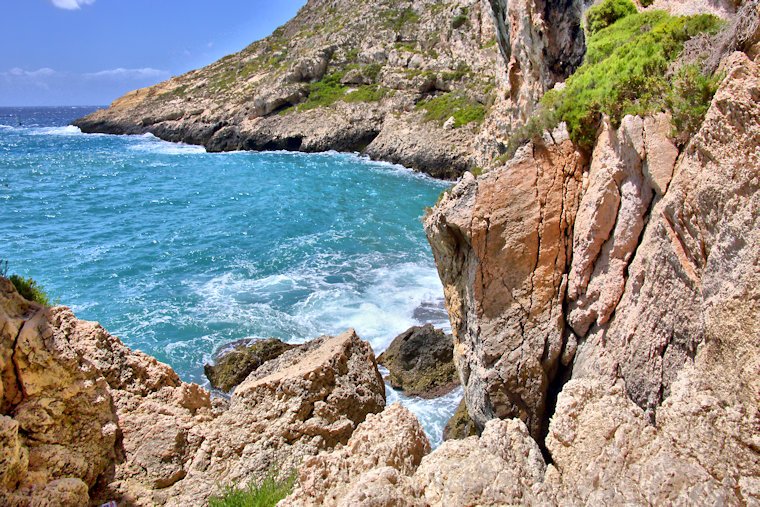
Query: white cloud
(121, 73)
(71, 5)
(17, 72)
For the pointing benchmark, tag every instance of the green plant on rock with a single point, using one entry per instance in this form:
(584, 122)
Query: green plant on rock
(689, 99)
(267, 494)
(396, 19)
(606, 13)
(325, 92)
(463, 109)
(30, 289)
(625, 71)
(367, 93)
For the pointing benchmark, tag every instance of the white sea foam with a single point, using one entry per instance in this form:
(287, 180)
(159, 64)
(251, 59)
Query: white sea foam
(433, 414)
(68, 130)
(149, 143)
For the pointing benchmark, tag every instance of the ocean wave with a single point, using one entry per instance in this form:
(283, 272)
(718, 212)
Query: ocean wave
(148, 143)
(68, 130)
(433, 414)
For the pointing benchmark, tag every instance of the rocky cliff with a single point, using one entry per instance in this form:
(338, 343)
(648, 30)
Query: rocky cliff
(604, 302)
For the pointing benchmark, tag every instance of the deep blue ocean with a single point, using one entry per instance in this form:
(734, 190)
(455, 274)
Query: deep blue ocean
(179, 252)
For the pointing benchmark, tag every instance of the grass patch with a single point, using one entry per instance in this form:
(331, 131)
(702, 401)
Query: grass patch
(626, 72)
(266, 494)
(463, 109)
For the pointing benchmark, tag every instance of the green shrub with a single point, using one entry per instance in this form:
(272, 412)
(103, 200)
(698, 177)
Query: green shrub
(624, 72)
(459, 21)
(464, 109)
(325, 92)
(30, 289)
(689, 99)
(396, 19)
(368, 93)
(646, 3)
(606, 13)
(267, 494)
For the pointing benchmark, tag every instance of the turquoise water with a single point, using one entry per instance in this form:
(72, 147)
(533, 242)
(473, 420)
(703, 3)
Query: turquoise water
(180, 252)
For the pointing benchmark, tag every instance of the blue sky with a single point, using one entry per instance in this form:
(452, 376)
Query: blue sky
(89, 52)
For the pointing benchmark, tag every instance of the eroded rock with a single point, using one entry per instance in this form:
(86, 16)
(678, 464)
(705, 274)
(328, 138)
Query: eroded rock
(502, 245)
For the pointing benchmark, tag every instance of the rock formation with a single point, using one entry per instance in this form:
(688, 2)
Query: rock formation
(502, 245)
(340, 76)
(460, 425)
(233, 365)
(84, 417)
(420, 362)
(701, 242)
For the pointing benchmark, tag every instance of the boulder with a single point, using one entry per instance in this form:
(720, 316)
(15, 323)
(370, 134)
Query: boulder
(420, 362)
(233, 365)
(57, 422)
(369, 469)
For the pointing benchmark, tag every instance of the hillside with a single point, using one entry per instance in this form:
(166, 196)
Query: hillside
(382, 78)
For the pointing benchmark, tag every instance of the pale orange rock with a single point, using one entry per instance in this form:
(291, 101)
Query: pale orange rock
(502, 244)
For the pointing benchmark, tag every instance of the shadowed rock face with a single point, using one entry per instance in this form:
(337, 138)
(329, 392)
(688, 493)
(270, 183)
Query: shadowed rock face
(232, 367)
(461, 425)
(420, 361)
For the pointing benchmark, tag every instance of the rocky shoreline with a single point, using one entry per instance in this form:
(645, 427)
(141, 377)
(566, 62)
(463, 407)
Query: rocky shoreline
(604, 303)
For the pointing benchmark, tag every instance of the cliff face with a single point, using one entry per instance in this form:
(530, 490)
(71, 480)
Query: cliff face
(435, 86)
(633, 423)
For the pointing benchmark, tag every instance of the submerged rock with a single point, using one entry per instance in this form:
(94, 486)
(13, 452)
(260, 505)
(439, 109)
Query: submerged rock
(420, 362)
(461, 425)
(233, 366)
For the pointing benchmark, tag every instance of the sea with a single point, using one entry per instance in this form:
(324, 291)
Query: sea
(180, 252)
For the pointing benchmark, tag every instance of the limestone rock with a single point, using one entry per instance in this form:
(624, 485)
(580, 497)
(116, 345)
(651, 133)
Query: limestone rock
(369, 469)
(57, 418)
(85, 418)
(500, 468)
(700, 248)
(628, 166)
(307, 400)
(420, 361)
(501, 244)
(231, 367)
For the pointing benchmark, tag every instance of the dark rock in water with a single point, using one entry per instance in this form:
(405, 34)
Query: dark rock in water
(461, 425)
(431, 311)
(420, 361)
(233, 365)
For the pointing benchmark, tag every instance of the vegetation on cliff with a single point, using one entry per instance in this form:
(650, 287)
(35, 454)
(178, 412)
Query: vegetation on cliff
(628, 69)
(28, 288)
